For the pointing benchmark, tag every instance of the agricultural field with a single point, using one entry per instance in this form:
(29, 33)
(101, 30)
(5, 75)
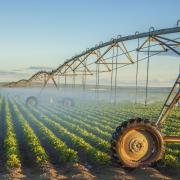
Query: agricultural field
(52, 141)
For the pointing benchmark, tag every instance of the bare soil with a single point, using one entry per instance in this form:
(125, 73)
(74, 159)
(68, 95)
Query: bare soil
(79, 172)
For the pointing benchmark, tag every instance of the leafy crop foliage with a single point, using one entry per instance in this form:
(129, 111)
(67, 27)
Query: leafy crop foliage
(10, 142)
(82, 133)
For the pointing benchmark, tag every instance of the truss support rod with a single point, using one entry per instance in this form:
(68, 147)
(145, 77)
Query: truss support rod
(137, 71)
(55, 84)
(69, 66)
(65, 80)
(107, 50)
(58, 81)
(126, 52)
(169, 104)
(83, 60)
(61, 67)
(167, 39)
(147, 72)
(112, 67)
(167, 46)
(115, 83)
(74, 79)
(171, 139)
(84, 65)
(100, 58)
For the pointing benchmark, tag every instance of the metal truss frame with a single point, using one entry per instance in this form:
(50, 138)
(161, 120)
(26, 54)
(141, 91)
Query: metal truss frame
(91, 61)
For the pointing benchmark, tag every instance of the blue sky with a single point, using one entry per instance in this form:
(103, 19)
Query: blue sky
(44, 33)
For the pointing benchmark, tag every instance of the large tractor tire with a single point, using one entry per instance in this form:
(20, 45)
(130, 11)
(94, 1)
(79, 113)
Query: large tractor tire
(31, 101)
(68, 102)
(137, 143)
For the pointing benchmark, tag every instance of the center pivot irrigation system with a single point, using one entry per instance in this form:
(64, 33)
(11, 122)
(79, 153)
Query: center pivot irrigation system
(136, 142)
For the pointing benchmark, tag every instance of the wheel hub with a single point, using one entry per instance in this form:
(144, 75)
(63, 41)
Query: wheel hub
(136, 145)
(32, 102)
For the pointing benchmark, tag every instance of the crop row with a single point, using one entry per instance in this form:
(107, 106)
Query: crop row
(76, 129)
(88, 152)
(33, 142)
(64, 153)
(10, 143)
(77, 119)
